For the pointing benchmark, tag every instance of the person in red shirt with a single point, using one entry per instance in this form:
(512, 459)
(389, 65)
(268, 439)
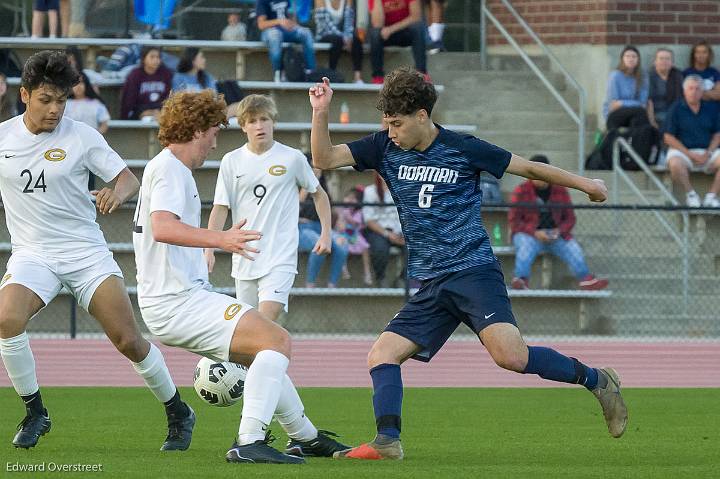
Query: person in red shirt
(396, 22)
(538, 229)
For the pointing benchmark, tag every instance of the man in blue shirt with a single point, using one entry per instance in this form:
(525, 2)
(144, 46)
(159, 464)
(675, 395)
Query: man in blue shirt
(692, 134)
(432, 175)
(278, 25)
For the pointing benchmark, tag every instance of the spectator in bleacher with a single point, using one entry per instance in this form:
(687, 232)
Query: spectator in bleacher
(627, 93)
(42, 9)
(665, 87)
(537, 228)
(146, 88)
(85, 105)
(396, 22)
(310, 230)
(235, 30)
(7, 104)
(191, 74)
(436, 25)
(335, 24)
(701, 59)
(382, 228)
(76, 60)
(278, 25)
(351, 224)
(122, 61)
(692, 134)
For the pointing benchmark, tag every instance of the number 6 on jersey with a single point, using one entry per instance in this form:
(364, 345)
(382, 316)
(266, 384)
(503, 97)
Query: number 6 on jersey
(425, 196)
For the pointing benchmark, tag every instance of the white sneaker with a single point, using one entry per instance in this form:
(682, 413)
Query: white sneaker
(276, 76)
(711, 201)
(692, 200)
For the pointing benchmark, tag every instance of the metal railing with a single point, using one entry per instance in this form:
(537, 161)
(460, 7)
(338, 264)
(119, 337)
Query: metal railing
(579, 116)
(681, 237)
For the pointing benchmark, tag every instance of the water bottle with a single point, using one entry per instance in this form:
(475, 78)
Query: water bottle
(497, 235)
(344, 113)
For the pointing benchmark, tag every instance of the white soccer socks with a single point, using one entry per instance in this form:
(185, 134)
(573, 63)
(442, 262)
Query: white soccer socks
(263, 387)
(290, 413)
(156, 375)
(20, 364)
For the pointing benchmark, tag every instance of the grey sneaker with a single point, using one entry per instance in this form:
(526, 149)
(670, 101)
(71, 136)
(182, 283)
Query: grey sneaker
(373, 451)
(613, 406)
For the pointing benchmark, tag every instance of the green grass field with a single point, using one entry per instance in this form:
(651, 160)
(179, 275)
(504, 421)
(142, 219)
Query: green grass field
(491, 433)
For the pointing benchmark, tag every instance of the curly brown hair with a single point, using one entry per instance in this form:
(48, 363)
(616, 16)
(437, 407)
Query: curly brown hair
(253, 106)
(186, 113)
(405, 92)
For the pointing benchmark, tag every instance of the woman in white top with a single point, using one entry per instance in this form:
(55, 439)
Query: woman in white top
(86, 106)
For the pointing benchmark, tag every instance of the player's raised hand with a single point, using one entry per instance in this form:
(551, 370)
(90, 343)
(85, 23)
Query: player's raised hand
(321, 95)
(235, 240)
(323, 245)
(106, 200)
(597, 192)
(209, 258)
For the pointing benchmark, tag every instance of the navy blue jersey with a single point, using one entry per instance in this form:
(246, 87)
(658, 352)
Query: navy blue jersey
(437, 195)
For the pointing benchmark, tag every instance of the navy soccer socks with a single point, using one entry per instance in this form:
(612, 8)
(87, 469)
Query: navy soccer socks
(387, 399)
(550, 364)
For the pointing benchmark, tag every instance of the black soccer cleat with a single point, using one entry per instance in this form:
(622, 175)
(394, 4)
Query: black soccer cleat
(322, 446)
(31, 428)
(179, 432)
(260, 452)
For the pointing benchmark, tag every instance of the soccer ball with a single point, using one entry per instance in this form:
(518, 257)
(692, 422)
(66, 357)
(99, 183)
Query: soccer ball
(219, 383)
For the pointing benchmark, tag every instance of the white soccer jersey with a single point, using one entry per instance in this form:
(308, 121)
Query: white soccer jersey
(167, 274)
(44, 185)
(264, 190)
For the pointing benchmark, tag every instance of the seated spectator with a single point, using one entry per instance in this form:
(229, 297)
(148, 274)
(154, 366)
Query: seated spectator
(665, 86)
(7, 104)
(122, 61)
(396, 22)
(85, 105)
(701, 58)
(277, 25)
(191, 74)
(692, 134)
(41, 9)
(146, 88)
(351, 224)
(235, 30)
(335, 24)
(382, 227)
(542, 229)
(76, 60)
(627, 92)
(310, 228)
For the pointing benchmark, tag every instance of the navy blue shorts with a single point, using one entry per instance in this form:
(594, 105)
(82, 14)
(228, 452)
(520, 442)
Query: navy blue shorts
(475, 296)
(45, 5)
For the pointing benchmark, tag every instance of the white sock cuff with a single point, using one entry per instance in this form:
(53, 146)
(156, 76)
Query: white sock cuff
(156, 375)
(16, 343)
(19, 364)
(273, 359)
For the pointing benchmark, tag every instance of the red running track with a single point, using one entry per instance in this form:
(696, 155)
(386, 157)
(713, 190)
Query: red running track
(341, 363)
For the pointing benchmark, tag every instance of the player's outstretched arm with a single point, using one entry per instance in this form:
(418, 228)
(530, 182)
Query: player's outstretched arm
(322, 206)
(216, 222)
(595, 189)
(324, 155)
(126, 186)
(167, 228)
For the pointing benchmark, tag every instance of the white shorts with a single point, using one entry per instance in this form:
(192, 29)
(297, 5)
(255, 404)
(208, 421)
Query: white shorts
(204, 324)
(274, 286)
(708, 167)
(46, 276)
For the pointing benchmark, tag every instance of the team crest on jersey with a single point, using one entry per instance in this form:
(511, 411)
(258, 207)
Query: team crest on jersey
(231, 311)
(5, 278)
(277, 170)
(55, 154)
